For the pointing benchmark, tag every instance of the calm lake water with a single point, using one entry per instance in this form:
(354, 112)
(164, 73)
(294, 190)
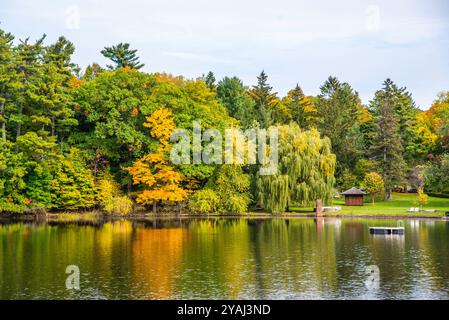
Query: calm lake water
(225, 259)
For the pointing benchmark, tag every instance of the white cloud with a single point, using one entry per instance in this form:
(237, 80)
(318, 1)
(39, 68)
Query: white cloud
(363, 42)
(198, 57)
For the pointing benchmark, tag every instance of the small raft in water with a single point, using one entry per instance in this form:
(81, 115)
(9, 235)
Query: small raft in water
(386, 230)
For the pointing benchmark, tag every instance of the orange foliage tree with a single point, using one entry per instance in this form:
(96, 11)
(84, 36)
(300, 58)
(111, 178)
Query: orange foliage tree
(153, 171)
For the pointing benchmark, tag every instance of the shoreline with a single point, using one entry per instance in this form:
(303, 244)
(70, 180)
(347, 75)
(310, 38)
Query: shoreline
(100, 216)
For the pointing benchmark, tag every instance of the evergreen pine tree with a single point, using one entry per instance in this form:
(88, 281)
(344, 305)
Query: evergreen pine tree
(265, 100)
(27, 60)
(8, 80)
(209, 79)
(232, 94)
(338, 107)
(122, 56)
(91, 71)
(51, 94)
(387, 145)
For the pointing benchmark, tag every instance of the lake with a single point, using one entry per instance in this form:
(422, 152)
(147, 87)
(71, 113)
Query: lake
(225, 258)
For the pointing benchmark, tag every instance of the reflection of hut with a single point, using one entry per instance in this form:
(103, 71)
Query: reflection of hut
(353, 197)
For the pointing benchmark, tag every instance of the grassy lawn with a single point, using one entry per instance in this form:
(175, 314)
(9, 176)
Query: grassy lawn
(398, 206)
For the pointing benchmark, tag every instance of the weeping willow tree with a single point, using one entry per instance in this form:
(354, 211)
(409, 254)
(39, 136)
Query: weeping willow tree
(305, 172)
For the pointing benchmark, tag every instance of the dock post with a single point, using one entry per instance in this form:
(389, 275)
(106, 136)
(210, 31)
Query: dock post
(319, 208)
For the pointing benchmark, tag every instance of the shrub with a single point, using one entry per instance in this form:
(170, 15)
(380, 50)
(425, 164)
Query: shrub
(204, 201)
(232, 188)
(119, 205)
(107, 188)
(236, 203)
(11, 207)
(227, 191)
(110, 197)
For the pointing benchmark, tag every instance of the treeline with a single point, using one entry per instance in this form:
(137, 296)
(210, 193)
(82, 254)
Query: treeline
(74, 139)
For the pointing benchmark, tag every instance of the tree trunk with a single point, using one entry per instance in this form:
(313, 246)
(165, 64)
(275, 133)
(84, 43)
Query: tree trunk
(154, 207)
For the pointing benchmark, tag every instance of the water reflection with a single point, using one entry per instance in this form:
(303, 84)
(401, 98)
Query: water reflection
(224, 258)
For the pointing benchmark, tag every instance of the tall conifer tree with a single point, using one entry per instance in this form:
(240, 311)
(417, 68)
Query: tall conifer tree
(387, 145)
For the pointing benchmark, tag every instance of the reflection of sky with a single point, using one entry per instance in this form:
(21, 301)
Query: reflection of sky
(361, 42)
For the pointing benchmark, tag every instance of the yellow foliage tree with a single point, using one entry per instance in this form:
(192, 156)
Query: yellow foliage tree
(111, 198)
(422, 198)
(432, 125)
(153, 171)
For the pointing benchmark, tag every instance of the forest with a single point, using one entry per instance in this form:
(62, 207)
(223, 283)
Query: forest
(99, 138)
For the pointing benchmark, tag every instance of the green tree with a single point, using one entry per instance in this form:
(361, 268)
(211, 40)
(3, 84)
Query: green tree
(387, 145)
(305, 171)
(27, 60)
(60, 54)
(12, 177)
(8, 80)
(232, 187)
(122, 56)
(363, 167)
(40, 159)
(299, 108)
(436, 175)
(113, 107)
(111, 114)
(204, 201)
(407, 111)
(265, 100)
(373, 184)
(233, 95)
(73, 185)
(209, 79)
(227, 191)
(92, 71)
(338, 107)
(53, 113)
(347, 180)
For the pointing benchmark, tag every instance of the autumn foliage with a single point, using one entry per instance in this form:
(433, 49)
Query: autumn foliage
(160, 181)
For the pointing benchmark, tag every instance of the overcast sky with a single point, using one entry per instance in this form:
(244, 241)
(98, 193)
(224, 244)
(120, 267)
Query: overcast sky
(360, 42)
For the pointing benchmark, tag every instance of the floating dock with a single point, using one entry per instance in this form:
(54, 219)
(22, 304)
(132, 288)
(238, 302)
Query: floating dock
(386, 230)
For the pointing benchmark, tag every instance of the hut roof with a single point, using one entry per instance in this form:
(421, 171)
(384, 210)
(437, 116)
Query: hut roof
(353, 192)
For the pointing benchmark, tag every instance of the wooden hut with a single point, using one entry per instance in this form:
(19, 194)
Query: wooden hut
(353, 197)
